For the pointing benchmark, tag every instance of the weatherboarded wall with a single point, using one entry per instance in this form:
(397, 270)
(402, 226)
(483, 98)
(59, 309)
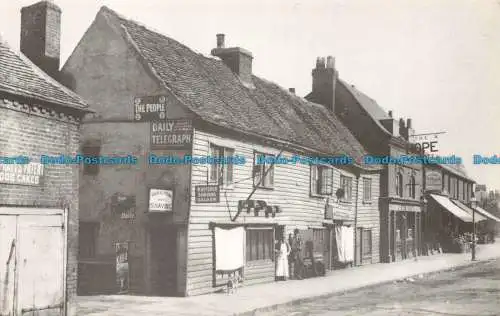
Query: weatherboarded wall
(291, 191)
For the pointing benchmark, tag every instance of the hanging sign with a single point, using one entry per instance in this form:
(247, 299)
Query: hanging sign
(427, 143)
(171, 134)
(160, 200)
(122, 267)
(433, 180)
(206, 193)
(150, 108)
(21, 174)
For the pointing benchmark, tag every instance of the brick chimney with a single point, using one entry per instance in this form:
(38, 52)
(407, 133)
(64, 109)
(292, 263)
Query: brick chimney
(391, 125)
(41, 35)
(324, 82)
(239, 60)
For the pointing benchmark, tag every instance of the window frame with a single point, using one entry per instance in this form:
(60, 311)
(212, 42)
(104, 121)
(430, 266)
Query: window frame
(370, 186)
(94, 234)
(399, 184)
(268, 181)
(223, 172)
(413, 185)
(317, 185)
(91, 148)
(368, 256)
(252, 247)
(347, 198)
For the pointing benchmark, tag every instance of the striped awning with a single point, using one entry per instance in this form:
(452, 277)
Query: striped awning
(477, 216)
(448, 205)
(487, 214)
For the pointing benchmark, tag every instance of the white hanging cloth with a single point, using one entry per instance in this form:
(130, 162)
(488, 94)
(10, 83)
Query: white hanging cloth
(229, 248)
(340, 243)
(348, 240)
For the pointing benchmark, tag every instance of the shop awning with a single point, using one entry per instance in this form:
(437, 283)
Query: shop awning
(477, 217)
(447, 204)
(487, 214)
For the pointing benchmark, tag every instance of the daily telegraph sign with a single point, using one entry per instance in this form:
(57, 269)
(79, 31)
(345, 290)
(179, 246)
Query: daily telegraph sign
(150, 108)
(171, 134)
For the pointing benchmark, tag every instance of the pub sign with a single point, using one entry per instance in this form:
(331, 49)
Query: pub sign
(160, 200)
(150, 108)
(206, 193)
(22, 174)
(433, 180)
(171, 134)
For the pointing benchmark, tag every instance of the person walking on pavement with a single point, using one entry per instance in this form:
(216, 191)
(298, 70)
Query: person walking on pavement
(297, 254)
(282, 253)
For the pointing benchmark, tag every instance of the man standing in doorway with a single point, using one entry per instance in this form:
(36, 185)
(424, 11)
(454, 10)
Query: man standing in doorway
(297, 254)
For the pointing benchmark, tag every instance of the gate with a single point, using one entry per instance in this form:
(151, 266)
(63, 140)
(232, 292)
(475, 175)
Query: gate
(32, 262)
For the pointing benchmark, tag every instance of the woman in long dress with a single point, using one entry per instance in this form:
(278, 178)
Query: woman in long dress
(283, 251)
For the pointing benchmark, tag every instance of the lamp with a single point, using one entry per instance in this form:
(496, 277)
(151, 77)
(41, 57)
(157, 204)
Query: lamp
(473, 205)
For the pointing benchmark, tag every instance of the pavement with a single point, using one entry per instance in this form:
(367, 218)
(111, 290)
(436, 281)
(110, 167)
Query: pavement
(259, 299)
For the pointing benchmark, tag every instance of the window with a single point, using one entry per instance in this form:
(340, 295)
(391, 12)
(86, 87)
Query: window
(259, 244)
(87, 234)
(399, 184)
(346, 185)
(446, 185)
(366, 245)
(321, 180)
(367, 189)
(221, 173)
(413, 185)
(263, 170)
(92, 149)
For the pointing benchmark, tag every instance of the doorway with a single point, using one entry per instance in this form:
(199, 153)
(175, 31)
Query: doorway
(163, 261)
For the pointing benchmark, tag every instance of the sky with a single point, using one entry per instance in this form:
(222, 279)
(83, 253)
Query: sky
(434, 61)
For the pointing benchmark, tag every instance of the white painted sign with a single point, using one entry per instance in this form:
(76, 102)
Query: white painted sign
(21, 174)
(428, 143)
(160, 200)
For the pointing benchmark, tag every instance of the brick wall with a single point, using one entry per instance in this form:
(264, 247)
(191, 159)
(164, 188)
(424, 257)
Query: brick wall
(24, 132)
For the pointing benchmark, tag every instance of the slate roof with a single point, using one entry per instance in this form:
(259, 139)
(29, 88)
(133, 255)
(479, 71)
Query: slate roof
(19, 76)
(213, 92)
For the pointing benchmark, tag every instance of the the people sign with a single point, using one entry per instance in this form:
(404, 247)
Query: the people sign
(160, 200)
(150, 108)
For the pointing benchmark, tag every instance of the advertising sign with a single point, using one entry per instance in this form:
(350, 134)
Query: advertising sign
(433, 180)
(206, 193)
(122, 267)
(171, 134)
(426, 143)
(160, 200)
(21, 174)
(150, 108)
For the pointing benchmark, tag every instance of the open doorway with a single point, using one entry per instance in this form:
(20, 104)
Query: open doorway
(163, 261)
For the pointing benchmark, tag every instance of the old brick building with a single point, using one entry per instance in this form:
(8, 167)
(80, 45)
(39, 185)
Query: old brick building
(38, 203)
(382, 136)
(118, 65)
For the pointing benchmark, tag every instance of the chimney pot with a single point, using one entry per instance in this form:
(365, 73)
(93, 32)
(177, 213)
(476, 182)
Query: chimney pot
(320, 63)
(390, 113)
(330, 62)
(221, 40)
(408, 123)
(292, 90)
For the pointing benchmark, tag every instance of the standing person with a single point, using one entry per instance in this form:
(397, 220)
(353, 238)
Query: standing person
(297, 254)
(282, 253)
(290, 256)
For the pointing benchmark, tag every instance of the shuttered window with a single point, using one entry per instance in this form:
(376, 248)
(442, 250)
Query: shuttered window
(221, 173)
(321, 180)
(366, 244)
(259, 244)
(346, 185)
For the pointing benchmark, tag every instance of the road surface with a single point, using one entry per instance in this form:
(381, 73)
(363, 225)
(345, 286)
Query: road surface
(474, 291)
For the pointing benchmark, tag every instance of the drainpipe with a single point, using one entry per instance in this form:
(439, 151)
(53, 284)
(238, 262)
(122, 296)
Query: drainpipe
(356, 219)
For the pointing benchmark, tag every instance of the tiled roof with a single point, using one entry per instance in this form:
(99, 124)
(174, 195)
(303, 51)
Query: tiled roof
(19, 76)
(212, 91)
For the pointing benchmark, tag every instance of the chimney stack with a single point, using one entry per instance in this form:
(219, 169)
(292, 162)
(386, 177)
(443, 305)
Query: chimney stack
(324, 82)
(390, 114)
(291, 90)
(41, 36)
(239, 60)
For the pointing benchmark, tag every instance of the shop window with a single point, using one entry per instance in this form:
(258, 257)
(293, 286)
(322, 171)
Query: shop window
(399, 184)
(321, 180)
(259, 244)
(413, 185)
(346, 185)
(221, 173)
(88, 233)
(367, 189)
(366, 244)
(263, 170)
(91, 149)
